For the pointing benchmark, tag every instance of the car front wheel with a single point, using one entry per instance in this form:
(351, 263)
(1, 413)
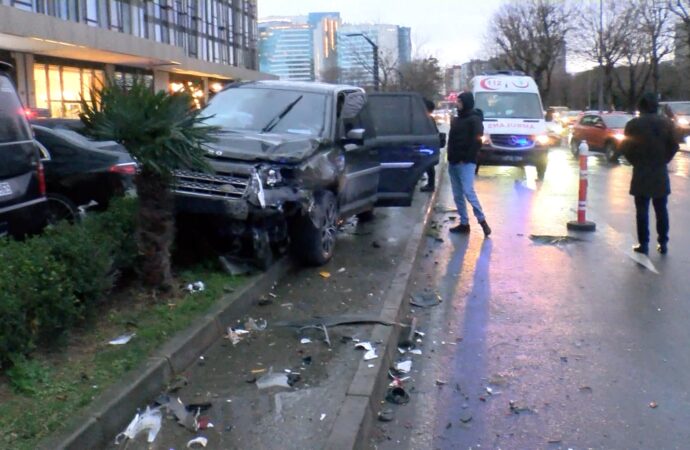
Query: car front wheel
(313, 235)
(574, 147)
(61, 208)
(611, 152)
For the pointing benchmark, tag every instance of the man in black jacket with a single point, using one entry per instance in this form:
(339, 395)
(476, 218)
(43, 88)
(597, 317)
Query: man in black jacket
(464, 142)
(650, 145)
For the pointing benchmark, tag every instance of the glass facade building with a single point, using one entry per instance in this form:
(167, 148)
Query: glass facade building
(286, 50)
(66, 46)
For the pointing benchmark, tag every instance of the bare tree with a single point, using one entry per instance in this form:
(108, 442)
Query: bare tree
(656, 24)
(632, 79)
(388, 66)
(681, 9)
(530, 35)
(422, 75)
(604, 30)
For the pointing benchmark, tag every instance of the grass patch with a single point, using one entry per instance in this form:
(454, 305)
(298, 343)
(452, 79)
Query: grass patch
(40, 395)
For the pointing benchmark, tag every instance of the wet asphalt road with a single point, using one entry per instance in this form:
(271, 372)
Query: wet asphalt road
(587, 341)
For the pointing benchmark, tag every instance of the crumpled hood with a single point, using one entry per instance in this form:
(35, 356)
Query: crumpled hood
(264, 147)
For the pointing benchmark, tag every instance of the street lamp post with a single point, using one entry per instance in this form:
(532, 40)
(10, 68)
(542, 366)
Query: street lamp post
(375, 48)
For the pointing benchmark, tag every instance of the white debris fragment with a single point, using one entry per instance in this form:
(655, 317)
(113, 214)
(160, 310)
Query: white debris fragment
(149, 420)
(123, 339)
(197, 442)
(403, 366)
(416, 351)
(323, 416)
(197, 286)
(305, 341)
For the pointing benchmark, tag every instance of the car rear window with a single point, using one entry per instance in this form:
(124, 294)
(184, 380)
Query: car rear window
(13, 126)
(399, 115)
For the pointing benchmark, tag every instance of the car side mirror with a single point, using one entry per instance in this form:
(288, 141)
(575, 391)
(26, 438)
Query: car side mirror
(442, 138)
(355, 136)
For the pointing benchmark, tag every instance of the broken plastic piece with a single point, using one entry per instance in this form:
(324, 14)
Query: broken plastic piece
(325, 274)
(323, 416)
(197, 442)
(416, 351)
(197, 286)
(123, 339)
(271, 379)
(236, 335)
(341, 270)
(370, 350)
(254, 325)
(403, 366)
(397, 395)
(385, 415)
(653, 405)
(305, 341)
(149, 420)
(186, 418)
(425, 300)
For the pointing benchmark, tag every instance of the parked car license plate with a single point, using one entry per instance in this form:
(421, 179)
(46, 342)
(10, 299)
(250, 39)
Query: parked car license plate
(511, 158)
(5, 189)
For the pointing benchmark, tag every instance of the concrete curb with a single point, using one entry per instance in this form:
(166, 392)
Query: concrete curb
(110, 413)
(362, 401)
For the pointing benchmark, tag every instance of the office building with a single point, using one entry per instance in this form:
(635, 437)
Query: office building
(62, 48)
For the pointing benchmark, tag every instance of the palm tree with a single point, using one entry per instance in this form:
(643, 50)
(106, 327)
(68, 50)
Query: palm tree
(163, 133)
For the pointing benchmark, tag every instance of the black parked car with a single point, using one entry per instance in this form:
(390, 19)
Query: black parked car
(293, 159)
(22, 182)
(80, 171)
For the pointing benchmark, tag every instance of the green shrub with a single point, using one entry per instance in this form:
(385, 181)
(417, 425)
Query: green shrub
(50, 283)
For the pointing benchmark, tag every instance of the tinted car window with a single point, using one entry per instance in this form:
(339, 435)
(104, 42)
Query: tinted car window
(255, 109)
(618, 121)
(392, 115)
(509, 105)
(12, 120)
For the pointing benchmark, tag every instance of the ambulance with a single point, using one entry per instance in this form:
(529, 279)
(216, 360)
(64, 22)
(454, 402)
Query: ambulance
(515, 132)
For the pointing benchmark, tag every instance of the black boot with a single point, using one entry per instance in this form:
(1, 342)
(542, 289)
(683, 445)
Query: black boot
(662, 248)
(485, 227)
(641, 248)
(462, 228)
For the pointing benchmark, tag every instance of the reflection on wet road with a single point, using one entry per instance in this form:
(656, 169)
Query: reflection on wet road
(540, 346)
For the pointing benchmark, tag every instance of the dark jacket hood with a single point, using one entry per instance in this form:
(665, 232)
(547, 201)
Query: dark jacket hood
(648, 104)
(467, 100)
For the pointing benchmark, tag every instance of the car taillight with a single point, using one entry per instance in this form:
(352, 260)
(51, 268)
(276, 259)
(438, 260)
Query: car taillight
(124, 169)
(41, 179)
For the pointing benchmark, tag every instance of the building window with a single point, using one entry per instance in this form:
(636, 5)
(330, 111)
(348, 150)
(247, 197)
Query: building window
(92, 13)
(59, 89)
(26, 5)
(115, 15)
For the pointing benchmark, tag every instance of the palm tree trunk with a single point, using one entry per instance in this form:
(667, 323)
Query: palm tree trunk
(156, 229)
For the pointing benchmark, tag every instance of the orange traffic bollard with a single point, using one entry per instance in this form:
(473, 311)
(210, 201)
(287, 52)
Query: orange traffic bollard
(582, 224)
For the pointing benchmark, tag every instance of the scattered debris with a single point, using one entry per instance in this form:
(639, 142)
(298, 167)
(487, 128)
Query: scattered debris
(236, 335)
(425, 300)
(397, 395)
(123, 339)
(370, 350)
(306, 361)
(653, 405)
(325, 274)
(235, 267)
(554, 441)
(333, 321)
(586, 389)
(271, 379)
(184, 416)
(258, 370)
(178, 383)
(254, 325)
(448, 425)
(149, 420)
(416, 351)
(564, 359)
(375, 244)
(305, 341)
(440, 382)
(323, 416)
(489, 391)
(403, 366)
(341, 270)
(197, 442)
(385, 415)
(465, 417)
(444, 209)
(545, 239)
(263, 301)
(515, 408)
(197, 286)
(204, 422)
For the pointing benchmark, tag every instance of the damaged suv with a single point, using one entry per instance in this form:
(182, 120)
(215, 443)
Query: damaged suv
(293, 159)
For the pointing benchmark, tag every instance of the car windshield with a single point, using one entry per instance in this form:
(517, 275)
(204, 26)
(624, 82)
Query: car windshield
(617, 121)
(13, 126)
(509, 105)
(260, 109)
(680, 108)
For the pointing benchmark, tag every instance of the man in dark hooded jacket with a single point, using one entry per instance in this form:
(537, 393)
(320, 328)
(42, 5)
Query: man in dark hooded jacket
(650, 145)
(464, 142)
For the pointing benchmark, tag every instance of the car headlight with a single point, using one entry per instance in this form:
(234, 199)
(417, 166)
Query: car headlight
(486, 139)
(273, 177)
(542, 139)
(619, 136)
(683, 121)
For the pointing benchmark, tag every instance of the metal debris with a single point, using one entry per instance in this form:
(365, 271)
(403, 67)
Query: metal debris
(123, 339)
(425, 300)
(271, 379)
(545, 239)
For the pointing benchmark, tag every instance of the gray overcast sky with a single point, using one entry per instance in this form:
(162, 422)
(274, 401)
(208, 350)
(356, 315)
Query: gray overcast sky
(451, 30)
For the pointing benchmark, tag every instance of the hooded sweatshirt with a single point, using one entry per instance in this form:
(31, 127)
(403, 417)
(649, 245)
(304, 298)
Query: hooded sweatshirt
(649, 145)
(466, 130)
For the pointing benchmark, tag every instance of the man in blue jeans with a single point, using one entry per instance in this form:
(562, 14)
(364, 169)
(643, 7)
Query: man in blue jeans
(464, 142)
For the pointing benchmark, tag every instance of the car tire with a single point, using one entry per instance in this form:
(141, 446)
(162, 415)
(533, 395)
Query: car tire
(61, 208)
(366, 216)
(263, 251)
(574, 147)
(314, 244)
(611, 152)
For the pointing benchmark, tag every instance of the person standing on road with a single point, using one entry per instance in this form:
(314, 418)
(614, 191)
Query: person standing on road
(464, 142)
(431, 171)
(649, 146)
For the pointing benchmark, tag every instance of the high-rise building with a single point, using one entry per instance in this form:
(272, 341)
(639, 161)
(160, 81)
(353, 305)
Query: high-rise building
(60, 49)
(301, 48)
(356, 54)
(405, 44)
(286, 49)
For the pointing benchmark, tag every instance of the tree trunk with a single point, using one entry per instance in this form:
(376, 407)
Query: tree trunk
(156, 230)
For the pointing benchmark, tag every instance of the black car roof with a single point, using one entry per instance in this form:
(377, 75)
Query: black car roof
(303, 86)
